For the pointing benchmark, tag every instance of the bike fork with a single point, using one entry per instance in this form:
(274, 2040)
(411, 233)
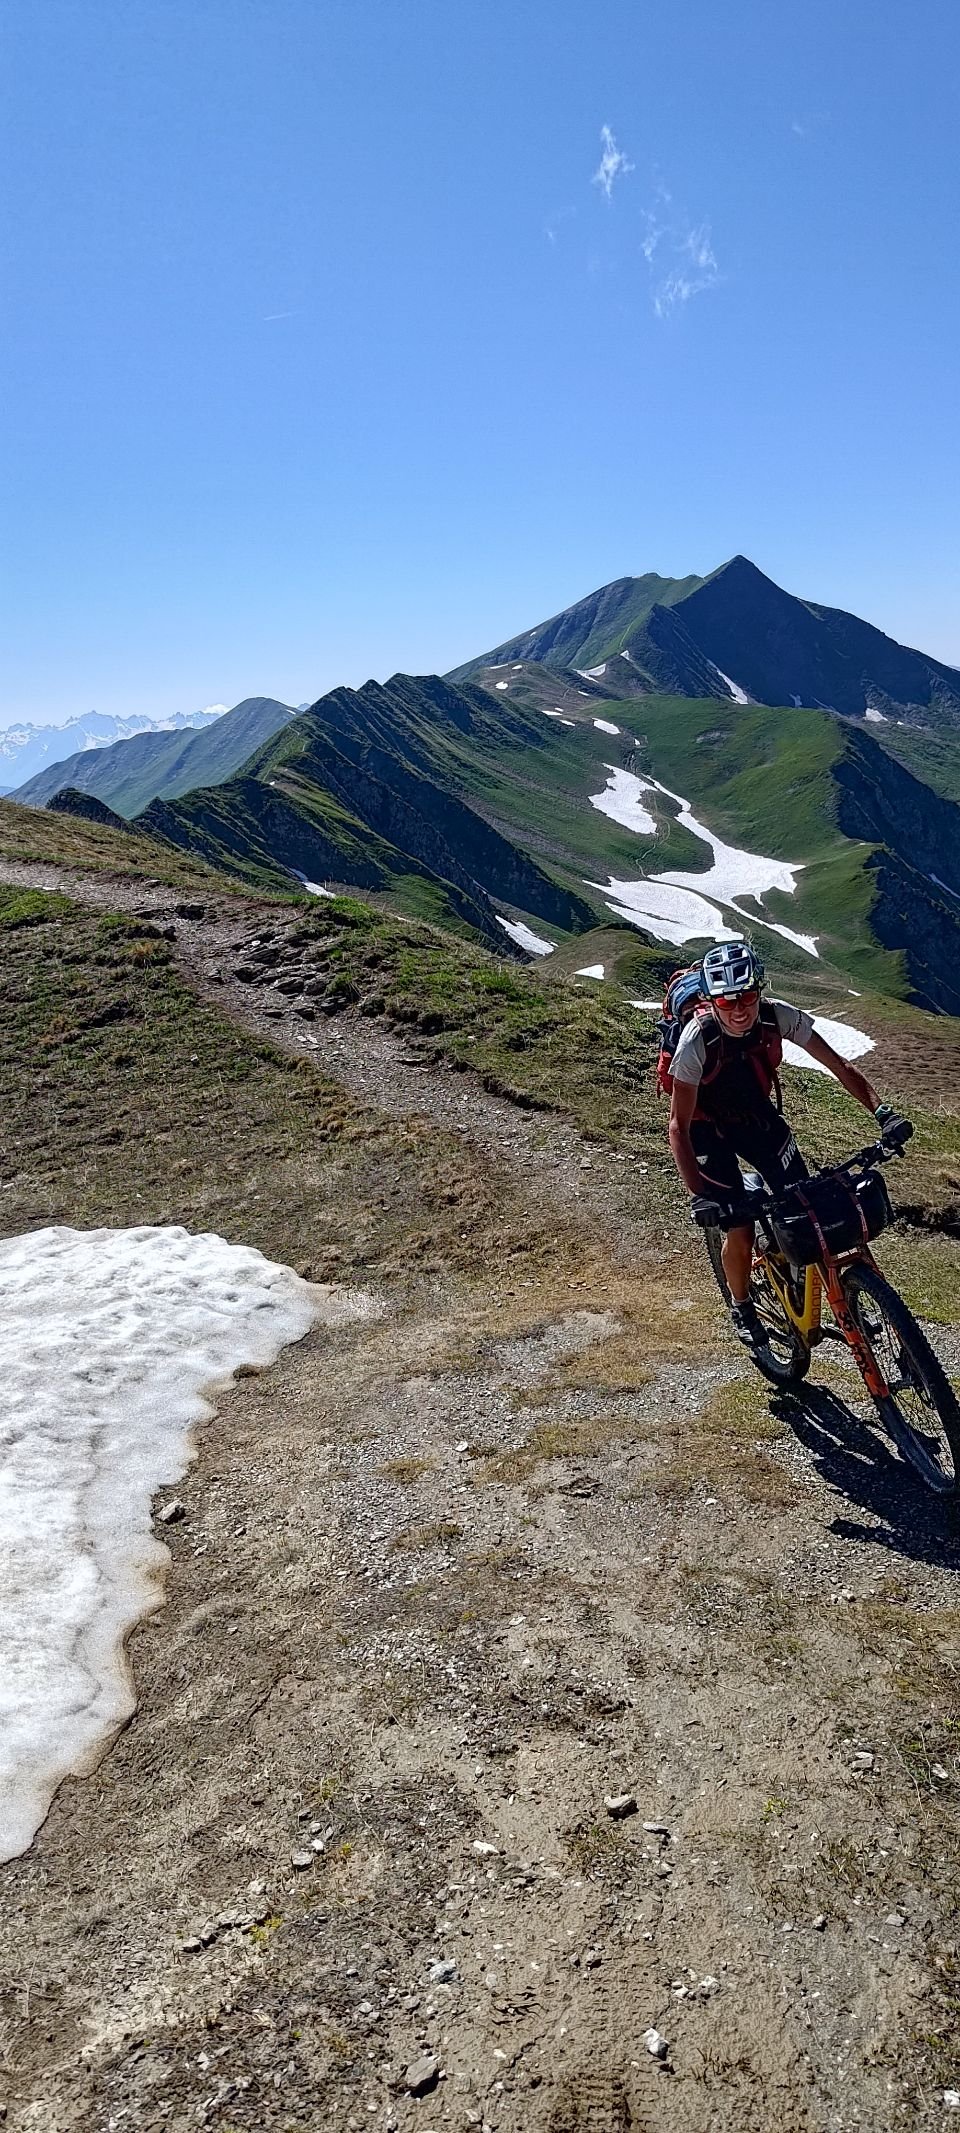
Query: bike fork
(856, 1340)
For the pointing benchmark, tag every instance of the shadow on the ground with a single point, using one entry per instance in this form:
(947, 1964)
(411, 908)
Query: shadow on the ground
(858, 1462)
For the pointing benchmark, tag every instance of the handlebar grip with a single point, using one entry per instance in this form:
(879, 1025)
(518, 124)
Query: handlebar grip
(722, 1214)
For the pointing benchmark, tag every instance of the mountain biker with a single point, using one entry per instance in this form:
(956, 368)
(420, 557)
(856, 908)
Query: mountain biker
(723, 1073)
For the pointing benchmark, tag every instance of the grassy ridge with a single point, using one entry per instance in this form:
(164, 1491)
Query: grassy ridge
(126, 1100)
(30, 836)
(579, 1048)
(112, 1072)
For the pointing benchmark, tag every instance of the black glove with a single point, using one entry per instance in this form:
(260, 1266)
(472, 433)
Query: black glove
(720, 1214)
(894, 1130)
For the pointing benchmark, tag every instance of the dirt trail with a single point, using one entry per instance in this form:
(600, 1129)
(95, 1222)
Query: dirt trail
(450, 1581)
(210, 941)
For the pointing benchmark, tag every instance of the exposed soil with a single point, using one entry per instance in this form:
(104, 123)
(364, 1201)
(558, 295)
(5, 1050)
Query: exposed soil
(518, 1542)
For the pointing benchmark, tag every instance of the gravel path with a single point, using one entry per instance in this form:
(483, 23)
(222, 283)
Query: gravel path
(545, 1731)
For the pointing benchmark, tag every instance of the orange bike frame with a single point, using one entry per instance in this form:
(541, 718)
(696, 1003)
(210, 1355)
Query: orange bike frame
(825, 1275)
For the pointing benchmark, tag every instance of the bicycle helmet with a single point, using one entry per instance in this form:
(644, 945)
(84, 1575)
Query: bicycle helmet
(682, 993)
(731, 968)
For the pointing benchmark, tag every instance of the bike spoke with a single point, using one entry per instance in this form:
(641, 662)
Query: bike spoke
(910, 1412)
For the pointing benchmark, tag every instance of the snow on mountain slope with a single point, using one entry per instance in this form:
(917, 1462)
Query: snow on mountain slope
(676, 906)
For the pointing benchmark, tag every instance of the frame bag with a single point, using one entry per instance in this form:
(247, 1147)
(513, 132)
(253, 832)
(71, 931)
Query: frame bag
(828, 1216)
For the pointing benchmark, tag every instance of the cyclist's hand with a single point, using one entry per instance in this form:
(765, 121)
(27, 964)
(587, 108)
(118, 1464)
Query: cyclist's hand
(720, 1214)
(894, 1130)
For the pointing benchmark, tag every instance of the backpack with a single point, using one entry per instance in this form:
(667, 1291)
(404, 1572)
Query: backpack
(761, 1049)
(680, 1002)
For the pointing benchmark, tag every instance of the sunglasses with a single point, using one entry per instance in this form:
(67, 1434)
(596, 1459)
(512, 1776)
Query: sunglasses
(741, 999)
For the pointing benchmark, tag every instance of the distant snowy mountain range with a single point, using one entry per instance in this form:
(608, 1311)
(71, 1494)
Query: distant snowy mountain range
(25, 750)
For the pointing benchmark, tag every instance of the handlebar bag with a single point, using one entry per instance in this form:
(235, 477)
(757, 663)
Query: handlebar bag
(830, 1215)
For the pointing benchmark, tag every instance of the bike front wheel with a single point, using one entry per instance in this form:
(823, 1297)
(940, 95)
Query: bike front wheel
(784, 1358)
(920, 1411)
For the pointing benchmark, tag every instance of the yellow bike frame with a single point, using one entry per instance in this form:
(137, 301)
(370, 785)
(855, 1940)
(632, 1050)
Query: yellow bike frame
(820, 1278)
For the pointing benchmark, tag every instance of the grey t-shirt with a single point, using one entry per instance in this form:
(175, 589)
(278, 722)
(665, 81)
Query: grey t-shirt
(690, 1057)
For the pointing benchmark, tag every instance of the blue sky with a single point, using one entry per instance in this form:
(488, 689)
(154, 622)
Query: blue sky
(328, 353)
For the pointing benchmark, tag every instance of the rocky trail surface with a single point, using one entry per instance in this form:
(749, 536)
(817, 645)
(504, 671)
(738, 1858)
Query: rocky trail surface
(545, 1731)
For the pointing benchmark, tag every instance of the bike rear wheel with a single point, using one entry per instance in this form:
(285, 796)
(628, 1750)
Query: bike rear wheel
(784, 1358)
(920, 1412)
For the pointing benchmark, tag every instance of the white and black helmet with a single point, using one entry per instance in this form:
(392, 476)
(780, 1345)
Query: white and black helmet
(731, 968)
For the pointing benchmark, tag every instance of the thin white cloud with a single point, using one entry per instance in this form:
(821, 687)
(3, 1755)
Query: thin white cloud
(697, 243)
(552, 228)
(679, 254)
(613, 164)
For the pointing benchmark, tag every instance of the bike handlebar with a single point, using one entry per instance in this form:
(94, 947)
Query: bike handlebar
(713, 1214)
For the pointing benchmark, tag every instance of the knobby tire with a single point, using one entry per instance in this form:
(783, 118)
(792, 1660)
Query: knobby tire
(779, 1368)
(934, 1450)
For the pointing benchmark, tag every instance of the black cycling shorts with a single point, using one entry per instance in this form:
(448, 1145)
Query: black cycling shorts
(765, 1143)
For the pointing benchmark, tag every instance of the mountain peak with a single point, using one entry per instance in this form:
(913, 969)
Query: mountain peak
(738, 635)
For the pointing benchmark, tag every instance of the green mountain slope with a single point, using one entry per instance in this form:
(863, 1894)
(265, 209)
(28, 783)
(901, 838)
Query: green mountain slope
(469, 803)
(594, 630)
(131, 773)
(736, 630)
(349, 793)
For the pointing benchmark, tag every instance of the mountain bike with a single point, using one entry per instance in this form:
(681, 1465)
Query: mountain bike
(811, 1242)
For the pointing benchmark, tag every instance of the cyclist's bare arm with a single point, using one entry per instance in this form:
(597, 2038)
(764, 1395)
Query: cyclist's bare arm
(683, 1104)
(849, 1076)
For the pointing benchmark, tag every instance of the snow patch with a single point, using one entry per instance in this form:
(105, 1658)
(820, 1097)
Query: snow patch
(590, 970)
(797, 702)
(739, 695)
(620, 800)
(603, 726)
(875, 718)
(668, 914)
(524, 937)
(111, 1344)
(502, 685)
(735, 874)
(313, 888)
(650, 1007)
(591, 673)
(850, 1043)
(558, 714)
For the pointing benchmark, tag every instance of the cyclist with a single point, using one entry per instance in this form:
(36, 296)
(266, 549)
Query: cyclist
(723, 1072)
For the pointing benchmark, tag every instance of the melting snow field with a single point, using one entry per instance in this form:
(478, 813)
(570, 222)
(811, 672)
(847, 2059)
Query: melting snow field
(680, 907)
(111, 1342)
(620, 800)
(590, 970)
(850, 1043)
(524, 936)
(603, 726)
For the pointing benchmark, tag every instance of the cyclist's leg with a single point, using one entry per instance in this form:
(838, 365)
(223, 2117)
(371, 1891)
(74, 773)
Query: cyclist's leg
(717, 1161)
(766, 1141)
